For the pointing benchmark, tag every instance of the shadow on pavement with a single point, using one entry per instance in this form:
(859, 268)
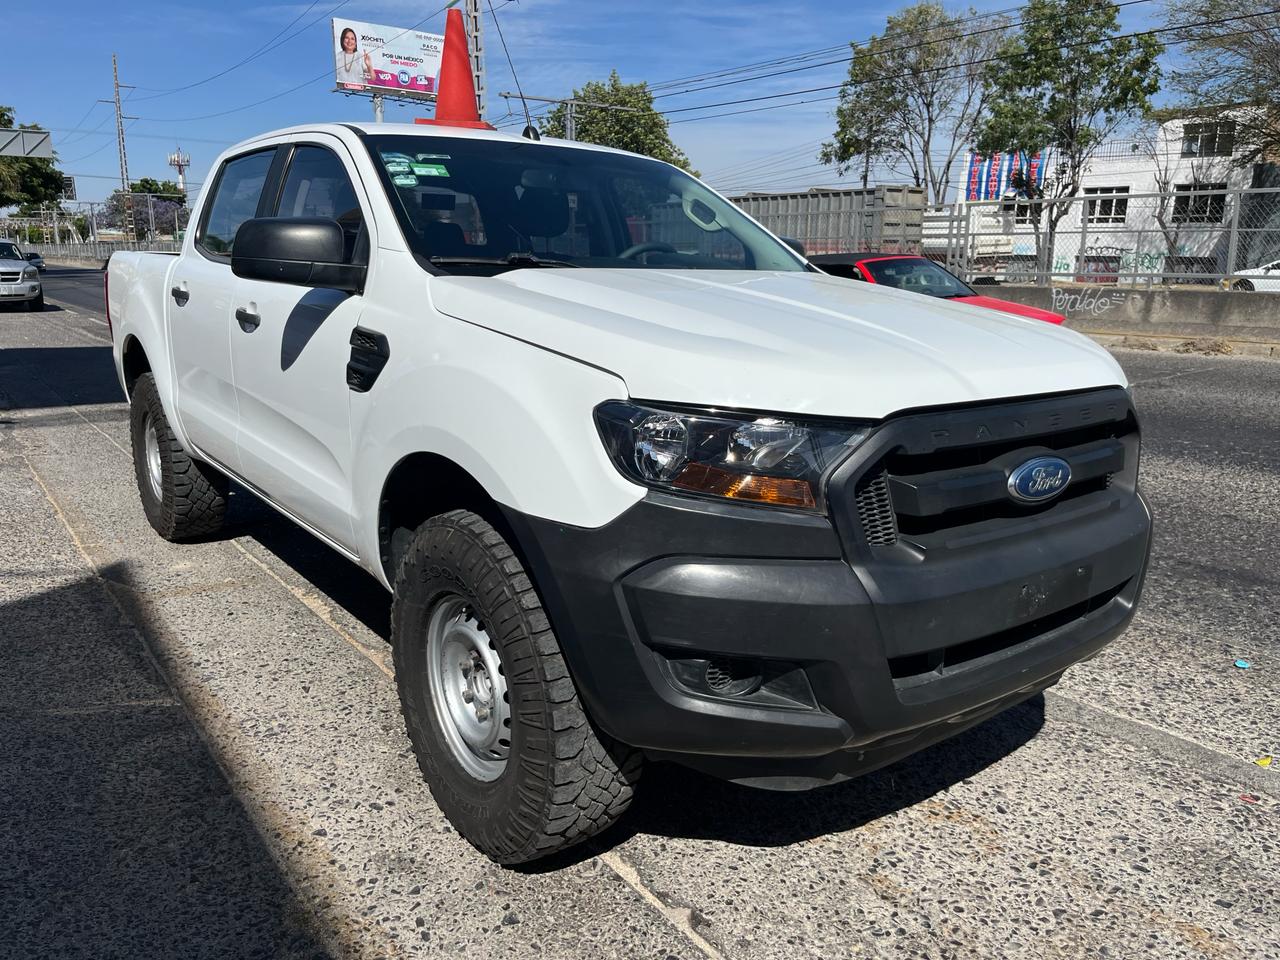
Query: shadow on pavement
(57, 377)
(119, 835)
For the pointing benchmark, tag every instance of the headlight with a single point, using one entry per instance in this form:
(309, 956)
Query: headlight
(30, 273)
(760, 459)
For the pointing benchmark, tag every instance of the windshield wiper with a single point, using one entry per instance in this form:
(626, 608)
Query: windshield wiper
(511, 260)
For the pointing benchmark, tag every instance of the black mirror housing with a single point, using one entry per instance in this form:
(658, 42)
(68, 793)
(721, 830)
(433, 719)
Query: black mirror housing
(307, 251)
(794, 244)
(31, 256)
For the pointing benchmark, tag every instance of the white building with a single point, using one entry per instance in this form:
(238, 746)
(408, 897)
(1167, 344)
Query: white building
(1168, 206)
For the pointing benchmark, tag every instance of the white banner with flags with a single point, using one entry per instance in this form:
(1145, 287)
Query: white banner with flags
(373, 58)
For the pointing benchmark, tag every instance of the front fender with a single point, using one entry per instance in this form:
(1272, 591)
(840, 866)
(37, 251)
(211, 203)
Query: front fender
(517, 418)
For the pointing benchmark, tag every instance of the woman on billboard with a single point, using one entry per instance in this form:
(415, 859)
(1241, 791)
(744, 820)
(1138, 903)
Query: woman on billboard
(354, 69)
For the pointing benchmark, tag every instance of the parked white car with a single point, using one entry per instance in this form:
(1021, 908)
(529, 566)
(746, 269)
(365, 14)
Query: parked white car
(643, 482)
(1264, 278)
(19, 279)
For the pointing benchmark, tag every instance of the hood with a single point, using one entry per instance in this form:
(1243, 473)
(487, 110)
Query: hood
(1010, 306)
(799, 343)
(7, 264)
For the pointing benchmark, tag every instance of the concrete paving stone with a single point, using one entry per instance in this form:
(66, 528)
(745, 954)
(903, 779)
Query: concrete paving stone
(1010, 841)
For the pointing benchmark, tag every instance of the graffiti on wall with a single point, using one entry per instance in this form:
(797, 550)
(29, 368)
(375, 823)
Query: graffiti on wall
(1089, 302)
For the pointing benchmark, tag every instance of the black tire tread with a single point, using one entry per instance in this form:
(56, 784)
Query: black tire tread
(195, 495)
(582, 783)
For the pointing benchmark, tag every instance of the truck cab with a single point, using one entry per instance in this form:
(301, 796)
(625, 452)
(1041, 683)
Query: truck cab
(642, 482)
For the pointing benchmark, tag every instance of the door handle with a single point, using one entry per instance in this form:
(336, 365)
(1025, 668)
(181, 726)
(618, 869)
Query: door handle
(248, 319)
(180, 296)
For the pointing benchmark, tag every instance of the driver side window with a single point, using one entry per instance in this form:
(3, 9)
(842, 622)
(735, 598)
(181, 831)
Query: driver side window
(317, 185)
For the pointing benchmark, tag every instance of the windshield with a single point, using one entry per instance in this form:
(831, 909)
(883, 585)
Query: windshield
(481, 206)
(917, 275)
(9, 252)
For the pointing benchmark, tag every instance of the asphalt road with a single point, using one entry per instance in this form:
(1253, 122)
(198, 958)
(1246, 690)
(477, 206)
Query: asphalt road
(75, 288)
(275, 800)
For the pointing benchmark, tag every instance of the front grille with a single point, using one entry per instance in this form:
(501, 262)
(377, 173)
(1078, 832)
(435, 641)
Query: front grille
(8, 276)
(938, 480)
(875, 510)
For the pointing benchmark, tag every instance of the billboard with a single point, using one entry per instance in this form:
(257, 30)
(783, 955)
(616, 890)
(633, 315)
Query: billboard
(372, 58)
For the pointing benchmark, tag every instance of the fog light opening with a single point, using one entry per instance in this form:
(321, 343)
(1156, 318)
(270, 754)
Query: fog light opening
(731, 678)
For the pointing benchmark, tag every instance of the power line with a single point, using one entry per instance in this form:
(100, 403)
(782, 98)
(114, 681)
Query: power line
(970, 63)
(295, 89)
(265, 48)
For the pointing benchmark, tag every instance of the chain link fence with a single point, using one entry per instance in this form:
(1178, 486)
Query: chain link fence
(1193, 236)
(80, 228)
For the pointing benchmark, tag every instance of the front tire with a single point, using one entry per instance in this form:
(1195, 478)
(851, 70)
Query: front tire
(1244, 286)
(495, 721)
(36, 305)
(182, 497)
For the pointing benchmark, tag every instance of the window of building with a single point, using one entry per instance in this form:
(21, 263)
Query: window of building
(1106, 204)
(1199, 202)
(1213, 139)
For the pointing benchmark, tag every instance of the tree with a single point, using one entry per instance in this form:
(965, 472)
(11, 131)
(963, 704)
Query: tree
(1062, 84)
(26, 180)
(169, 214)
(641, 129)
(166, 188)
(913, 96)
(1233, 63)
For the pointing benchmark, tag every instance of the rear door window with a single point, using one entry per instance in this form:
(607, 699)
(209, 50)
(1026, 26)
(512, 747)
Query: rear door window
(235, 200)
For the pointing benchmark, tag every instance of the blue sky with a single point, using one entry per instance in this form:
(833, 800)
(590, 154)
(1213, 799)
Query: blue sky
(556, 45)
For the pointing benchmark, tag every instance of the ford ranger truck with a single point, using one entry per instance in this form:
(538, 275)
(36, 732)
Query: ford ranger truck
(643, 484)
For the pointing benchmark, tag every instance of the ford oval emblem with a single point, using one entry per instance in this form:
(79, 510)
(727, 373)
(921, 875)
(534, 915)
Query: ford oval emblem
(1040, 479)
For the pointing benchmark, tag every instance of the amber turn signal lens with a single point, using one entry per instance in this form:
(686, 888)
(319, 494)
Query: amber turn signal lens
(780, 491)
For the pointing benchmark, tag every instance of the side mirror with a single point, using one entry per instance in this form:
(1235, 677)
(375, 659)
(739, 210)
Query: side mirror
(794, 244)
(307, 251)
(31, 256)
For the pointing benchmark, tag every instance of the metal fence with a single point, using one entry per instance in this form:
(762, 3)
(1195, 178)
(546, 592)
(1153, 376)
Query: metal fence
(1196, 236)
(157, 219)
(843, 221)
(1199, 236)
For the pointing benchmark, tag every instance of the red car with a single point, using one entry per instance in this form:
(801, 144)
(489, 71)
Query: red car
(919, 275)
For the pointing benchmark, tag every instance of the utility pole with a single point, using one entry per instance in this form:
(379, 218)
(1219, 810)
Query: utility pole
(471, 17)
(377, 108)
(570, 121)
(124, 159)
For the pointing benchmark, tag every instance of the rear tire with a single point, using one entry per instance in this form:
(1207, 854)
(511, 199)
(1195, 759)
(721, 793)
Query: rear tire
(182, 497)
(495, 721)
(1244, 286)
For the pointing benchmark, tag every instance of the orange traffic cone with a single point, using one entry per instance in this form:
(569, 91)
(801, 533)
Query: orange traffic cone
(455, 90)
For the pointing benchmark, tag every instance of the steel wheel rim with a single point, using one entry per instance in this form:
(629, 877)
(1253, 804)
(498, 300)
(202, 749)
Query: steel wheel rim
(151, 452)
(468, 689)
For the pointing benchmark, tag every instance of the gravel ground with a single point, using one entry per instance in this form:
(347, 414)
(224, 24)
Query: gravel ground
(251, 791)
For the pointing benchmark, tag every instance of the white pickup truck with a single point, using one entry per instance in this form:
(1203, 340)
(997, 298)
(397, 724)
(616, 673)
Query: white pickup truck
(642, 482)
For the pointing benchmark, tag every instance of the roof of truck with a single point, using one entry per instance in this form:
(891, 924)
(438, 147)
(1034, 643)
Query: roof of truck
(422, 130)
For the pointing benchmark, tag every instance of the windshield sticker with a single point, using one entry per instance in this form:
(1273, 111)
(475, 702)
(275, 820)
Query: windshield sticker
(434, 156)
(430, 170)
(405, 180)
(397, 166)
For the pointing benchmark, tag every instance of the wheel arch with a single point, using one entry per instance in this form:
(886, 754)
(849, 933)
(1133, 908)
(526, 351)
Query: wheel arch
(134, 362)
(422, 485)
